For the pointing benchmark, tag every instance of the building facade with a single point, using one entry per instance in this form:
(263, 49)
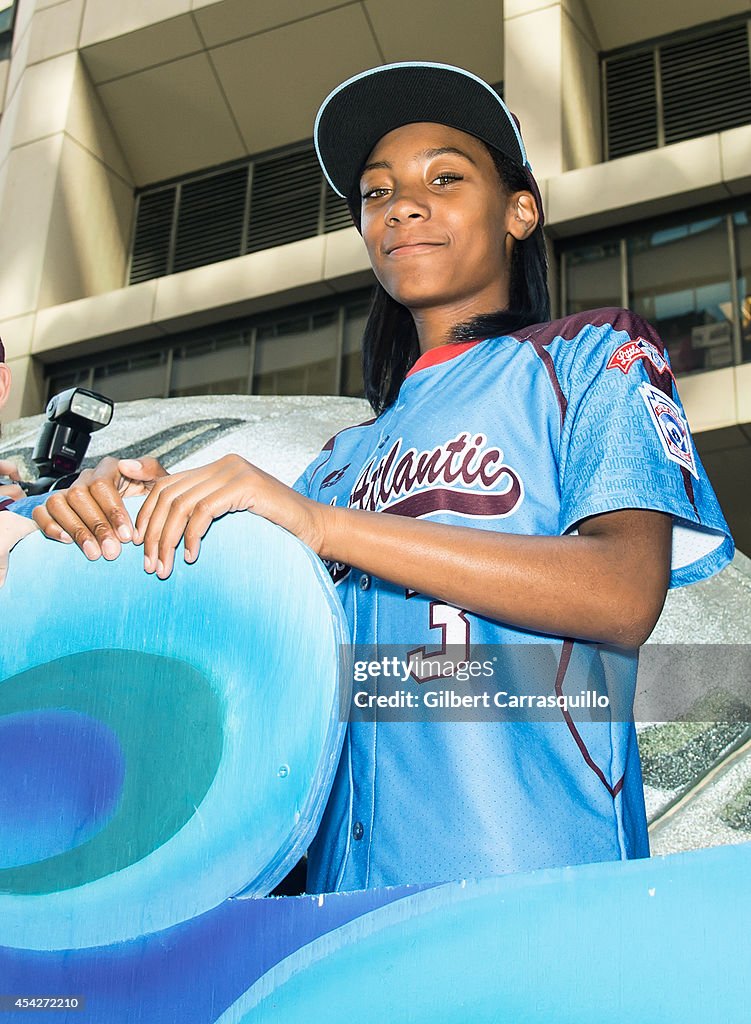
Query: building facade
(164, 228)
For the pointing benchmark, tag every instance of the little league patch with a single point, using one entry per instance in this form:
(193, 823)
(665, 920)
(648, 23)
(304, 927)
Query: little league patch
(671, 427)
(624, 357)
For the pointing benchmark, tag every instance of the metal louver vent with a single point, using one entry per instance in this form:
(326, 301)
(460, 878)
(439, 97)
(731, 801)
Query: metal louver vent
(678, 89)
(285, 200)
(336, 212)
(210, 221)
(631, 104)
(210, 217)
(706, 84)
(151, 242)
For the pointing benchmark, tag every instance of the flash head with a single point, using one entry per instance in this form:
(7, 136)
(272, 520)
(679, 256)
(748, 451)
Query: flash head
(72, 417)
(81, 409)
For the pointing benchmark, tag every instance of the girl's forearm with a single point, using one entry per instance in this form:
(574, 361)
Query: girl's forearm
(606, 584)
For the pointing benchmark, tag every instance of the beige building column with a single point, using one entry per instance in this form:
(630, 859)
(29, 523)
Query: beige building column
(66, 193)
(552, 82)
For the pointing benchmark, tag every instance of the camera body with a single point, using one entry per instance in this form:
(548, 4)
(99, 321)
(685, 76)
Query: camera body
(72, 417)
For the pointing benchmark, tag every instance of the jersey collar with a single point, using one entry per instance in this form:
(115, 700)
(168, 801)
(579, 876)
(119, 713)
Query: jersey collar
(442, 354)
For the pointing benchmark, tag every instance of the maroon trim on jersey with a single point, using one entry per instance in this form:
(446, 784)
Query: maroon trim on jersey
(568, 327)
(329, 446)
(547, 362)
(566, 651)
(5, 503)
(442, 499)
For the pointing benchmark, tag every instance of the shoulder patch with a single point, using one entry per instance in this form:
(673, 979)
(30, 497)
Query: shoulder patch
(626, 355)
(671, 426)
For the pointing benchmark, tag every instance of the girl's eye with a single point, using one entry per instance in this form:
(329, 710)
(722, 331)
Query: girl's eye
(446, 179)
(374, 193)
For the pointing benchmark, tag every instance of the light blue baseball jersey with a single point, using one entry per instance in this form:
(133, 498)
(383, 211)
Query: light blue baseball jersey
(527, 434)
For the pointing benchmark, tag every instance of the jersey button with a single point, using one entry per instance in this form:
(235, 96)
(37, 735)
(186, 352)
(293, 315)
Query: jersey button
(358, 830)
(365, 582)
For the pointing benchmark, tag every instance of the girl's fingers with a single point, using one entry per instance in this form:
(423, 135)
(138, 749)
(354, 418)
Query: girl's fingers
(61, 521)
(204, 503)
(48, 526)
(172, 500)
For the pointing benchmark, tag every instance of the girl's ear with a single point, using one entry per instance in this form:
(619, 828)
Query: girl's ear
(521, 215)
(4, 383)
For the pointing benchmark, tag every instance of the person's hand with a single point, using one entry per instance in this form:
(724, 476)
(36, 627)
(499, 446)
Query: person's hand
(183, 505)
(91, 513)
(10, 470)
(12, 491)
(12, 528)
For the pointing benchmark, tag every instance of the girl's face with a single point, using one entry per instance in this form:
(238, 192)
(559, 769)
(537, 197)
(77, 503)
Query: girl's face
(436, 220)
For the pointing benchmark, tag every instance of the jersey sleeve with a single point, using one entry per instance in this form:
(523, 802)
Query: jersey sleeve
(307, 483)
(25, 506)
(626, 444)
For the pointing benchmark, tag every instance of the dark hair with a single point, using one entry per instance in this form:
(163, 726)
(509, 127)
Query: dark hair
(390, 346)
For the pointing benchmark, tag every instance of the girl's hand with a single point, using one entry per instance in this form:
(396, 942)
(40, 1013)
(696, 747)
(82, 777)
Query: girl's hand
(12, 528)
(91, 512)
(10, 470)
(184, 505)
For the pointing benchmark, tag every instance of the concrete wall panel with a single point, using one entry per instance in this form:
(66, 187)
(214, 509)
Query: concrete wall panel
(643, 183)
(536, 99)
(105, 20)
(16, 335)
(233, 284)
(735, 149)
(88, 124)
(55, 30)
(743, 392)
(582, 121)
(43, 99)
(188, 125)
(258, 74)
(126, 313)
(26, 201)
(345, 254)
(709, 399)
(155, 44)
(89, 230)
(27, 393)
(234, 19)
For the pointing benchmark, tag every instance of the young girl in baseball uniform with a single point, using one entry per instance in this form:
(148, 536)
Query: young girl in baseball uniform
(525, 487)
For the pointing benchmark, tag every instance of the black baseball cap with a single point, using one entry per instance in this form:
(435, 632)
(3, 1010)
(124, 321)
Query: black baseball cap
(367, 106)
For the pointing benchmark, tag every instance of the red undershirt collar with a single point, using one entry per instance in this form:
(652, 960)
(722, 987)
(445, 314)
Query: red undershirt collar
(442, 354)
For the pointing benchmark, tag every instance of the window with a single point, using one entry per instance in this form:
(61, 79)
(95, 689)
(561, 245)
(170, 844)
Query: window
(688, 274)
(217, 365)
(742, 228)
(679, 280)
(310, 349)
(298, 357)
(7, 20)
(594, 276)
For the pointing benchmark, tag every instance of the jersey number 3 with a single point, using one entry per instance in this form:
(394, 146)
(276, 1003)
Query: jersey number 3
(455, 644)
